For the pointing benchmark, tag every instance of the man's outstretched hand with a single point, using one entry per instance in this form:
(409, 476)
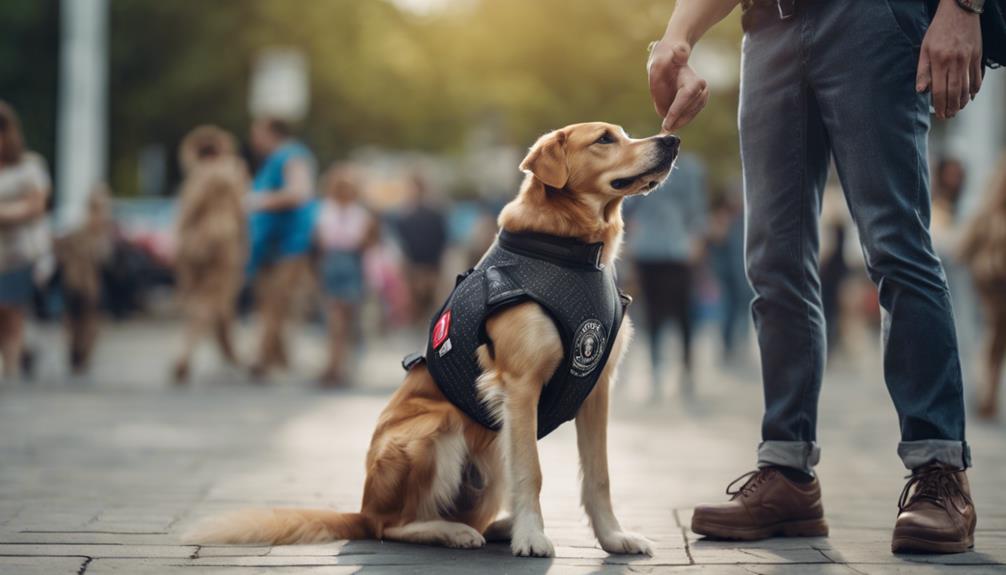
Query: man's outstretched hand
(951, 60)
(678, 93)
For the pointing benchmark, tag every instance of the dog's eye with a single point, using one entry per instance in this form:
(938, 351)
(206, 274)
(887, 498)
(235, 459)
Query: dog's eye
(605, 139)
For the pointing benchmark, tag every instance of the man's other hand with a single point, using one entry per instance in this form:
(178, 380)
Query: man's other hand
(950, 64)
(678, 93)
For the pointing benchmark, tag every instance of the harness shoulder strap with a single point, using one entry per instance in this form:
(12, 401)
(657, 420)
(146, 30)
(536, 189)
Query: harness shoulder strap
(501, 288)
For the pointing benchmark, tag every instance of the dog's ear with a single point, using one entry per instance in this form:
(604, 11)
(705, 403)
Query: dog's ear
(546, 160)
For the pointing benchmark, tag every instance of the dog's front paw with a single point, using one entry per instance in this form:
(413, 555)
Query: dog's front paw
(624, 543)
(461, 536)
(531, 544)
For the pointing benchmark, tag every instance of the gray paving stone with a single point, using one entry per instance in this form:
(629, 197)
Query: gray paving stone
(116, 472)
(42, 565)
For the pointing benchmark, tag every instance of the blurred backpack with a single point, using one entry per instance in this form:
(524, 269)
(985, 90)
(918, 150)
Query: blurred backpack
(993, 31)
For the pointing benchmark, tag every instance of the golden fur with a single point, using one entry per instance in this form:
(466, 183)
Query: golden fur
(435, 476)
(211, 245)
(984, 250)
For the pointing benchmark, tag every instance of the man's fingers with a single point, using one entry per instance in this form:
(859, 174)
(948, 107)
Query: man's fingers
(922, 73)
(954, 87)
(938, 84)
(976, 76)
(965, 96)
(683, 101)
(660, 92)
(691, 109)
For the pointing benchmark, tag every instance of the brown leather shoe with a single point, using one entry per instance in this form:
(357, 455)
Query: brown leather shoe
(936, 514)
(767, 505)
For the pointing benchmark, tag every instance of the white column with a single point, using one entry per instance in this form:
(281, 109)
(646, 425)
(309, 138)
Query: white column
(978, 136)
(82, 132)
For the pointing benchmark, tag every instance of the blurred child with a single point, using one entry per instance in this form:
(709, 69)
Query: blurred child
(82, 255)
(345, 230)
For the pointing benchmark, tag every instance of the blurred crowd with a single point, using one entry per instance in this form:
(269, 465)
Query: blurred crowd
(260, 230)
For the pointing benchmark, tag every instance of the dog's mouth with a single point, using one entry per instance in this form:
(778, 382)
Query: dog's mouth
(650, 179)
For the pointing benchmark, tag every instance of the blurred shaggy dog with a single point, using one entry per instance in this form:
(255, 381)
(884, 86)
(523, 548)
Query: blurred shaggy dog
(984, 250)
(434, 474)
(82, 255)
(211, 241)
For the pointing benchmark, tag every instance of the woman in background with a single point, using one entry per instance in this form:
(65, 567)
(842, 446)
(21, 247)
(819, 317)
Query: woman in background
(24, 235)
(345, 230)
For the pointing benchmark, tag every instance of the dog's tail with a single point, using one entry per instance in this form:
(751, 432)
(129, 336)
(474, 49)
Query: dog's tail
(281, 527)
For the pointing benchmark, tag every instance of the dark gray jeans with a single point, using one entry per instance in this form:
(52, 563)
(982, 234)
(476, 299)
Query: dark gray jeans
(837, 79)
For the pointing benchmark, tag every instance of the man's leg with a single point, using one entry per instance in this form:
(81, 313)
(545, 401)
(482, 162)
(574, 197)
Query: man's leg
(784, 152)
(878, 126)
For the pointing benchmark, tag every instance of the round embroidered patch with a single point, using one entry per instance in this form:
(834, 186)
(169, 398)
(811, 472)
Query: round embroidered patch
(588, 348)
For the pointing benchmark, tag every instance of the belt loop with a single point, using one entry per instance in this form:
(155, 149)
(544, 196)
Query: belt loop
(787, 8)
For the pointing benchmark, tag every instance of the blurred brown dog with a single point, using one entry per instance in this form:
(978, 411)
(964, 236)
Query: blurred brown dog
(434, 475)
(211, 241)
(984, 249)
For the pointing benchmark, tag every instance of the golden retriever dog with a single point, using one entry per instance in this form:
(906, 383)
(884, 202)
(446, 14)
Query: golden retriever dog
(434, 475)
(211, 244)
(82, 254)
(984, 250)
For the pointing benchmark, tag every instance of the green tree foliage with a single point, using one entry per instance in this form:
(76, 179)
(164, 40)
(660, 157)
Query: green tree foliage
(29, 54)
(386, 76)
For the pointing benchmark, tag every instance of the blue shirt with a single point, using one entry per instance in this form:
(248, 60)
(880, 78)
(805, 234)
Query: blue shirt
(663, 225)
(286, 233)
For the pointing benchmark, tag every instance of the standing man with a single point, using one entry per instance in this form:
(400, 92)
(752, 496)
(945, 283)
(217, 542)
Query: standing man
(850, 79)
(281, 228)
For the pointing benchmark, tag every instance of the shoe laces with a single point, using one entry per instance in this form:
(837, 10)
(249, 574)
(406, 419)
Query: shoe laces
(752, 481)
(935, 483)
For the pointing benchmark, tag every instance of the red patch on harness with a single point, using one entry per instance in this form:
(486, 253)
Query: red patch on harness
(441, 329)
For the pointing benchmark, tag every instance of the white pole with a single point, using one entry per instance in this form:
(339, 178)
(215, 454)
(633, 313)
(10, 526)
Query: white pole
(82, 139)
(978, 137)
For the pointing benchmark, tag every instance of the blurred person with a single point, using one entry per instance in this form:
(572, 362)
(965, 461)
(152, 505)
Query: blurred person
(983, 248)
(345, 230)
(211, 241)
(666, 233)
(422, 230)
(947, 229)
(83, 254)
(853, 80)
(726, 257)
(281, 230)
(24, 235)
(834, 269)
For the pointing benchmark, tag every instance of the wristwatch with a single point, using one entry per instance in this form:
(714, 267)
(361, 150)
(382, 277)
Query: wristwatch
(974, 6)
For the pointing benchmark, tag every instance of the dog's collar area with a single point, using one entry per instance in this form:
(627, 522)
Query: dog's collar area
(563, 251)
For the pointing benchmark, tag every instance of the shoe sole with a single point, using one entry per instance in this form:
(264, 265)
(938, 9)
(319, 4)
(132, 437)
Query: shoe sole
(806, 528)
(916, 545)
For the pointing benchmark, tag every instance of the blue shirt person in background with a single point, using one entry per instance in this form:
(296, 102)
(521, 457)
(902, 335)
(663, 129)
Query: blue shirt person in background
(281, 225)
(666, 233)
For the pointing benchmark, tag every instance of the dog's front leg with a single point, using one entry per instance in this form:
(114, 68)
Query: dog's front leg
(520, 440)
(591, 440)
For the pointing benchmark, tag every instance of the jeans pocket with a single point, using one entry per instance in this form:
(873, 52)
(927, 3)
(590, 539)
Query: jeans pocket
(910, 19)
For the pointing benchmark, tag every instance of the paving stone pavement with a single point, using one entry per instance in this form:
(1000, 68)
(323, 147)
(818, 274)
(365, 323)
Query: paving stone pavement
(100, 476)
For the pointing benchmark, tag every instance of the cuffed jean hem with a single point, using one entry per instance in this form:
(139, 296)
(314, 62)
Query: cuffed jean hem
(802, 455)
(915, 454)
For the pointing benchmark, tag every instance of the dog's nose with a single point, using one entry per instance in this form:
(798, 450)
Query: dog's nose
(671, 143)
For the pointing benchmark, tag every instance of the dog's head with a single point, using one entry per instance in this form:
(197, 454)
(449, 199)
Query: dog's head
(599, 161)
